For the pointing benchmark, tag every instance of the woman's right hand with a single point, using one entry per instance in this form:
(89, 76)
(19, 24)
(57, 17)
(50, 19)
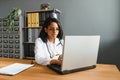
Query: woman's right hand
(55, 61)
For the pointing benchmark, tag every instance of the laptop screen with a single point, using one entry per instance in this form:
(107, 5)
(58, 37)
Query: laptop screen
(80, 51)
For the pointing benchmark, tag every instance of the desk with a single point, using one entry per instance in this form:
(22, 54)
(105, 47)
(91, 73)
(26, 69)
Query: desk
(38, 72)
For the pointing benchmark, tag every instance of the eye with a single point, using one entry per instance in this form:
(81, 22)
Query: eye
(57, 29)
(53, 29)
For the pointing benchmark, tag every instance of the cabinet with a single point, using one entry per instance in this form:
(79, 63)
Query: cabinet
(11, 43)
(34, 22)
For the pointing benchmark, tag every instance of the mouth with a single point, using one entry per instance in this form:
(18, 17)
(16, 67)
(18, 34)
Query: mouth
(54, 35)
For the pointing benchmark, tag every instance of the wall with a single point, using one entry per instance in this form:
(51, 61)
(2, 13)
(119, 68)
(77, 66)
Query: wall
(83, 17)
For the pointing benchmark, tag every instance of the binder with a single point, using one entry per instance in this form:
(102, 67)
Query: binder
(29, 22)
(37, 21)
(33, 35)
(37, 31)
(33, 19)
(29, 35)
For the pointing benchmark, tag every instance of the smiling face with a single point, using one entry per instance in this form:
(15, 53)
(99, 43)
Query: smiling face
(52, 30)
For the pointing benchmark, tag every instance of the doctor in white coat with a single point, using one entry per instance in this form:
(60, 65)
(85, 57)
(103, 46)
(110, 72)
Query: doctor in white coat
(49, 44)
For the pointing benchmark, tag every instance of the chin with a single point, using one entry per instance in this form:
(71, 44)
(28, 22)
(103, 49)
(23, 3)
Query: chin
(55, 36)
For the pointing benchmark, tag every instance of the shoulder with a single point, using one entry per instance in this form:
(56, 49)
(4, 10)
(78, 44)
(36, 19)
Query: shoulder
(39, 40)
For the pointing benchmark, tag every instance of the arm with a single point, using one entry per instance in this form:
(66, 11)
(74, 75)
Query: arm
(58, 59)
(41, 57)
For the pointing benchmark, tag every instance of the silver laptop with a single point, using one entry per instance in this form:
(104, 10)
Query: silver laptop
(79, 53)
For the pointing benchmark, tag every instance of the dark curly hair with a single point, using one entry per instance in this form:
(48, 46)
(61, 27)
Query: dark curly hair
(43, 35)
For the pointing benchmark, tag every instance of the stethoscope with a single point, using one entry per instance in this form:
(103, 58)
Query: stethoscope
(49, 50)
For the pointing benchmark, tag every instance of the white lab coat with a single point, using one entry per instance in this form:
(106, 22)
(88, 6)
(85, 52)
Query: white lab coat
(43, 51)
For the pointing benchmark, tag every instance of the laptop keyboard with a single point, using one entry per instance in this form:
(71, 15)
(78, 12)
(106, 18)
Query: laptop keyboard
(55, 65)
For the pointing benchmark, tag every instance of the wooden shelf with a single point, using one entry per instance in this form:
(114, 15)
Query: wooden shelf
(28, 42)
(50, 10)
(30, 58)
(32, 27)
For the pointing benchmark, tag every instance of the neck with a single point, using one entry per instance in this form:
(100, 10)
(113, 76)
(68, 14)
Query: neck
(51, 40)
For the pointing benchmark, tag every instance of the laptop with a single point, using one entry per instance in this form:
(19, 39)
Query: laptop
(79, 53)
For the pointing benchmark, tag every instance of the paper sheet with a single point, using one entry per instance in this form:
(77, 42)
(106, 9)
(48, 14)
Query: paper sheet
(14, 68)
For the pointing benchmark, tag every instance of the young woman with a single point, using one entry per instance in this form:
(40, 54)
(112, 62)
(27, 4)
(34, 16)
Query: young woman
(49, 44)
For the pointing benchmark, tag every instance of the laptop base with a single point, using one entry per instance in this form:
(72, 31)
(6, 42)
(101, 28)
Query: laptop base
(57, 69)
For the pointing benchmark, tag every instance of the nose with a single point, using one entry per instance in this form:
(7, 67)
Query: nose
(54, 30)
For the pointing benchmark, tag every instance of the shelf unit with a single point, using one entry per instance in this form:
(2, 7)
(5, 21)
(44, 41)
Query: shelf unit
(34, 22)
